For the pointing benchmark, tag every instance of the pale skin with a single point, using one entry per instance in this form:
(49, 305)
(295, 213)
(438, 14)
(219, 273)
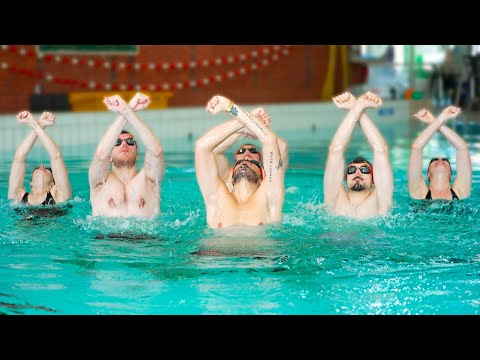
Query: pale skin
(43, 181)
(249, 203)
(224, 168)
(372, 200)
(124, 192)
(439, 172)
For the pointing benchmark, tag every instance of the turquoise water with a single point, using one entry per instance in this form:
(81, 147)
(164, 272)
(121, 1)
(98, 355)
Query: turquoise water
(424, 258)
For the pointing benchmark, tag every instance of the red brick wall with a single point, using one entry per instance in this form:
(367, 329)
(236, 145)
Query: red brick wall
(297, 77)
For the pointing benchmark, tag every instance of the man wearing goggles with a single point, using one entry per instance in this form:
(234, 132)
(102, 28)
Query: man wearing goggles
(48, 186)
(123, 191)
(258, 191)
(439, 170)
(360, 198)
(225, 170)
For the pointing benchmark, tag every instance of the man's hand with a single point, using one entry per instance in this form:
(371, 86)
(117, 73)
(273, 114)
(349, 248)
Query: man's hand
(139, 102)
(217, 104)
(262, 115)
(344, 101)
(47, 119)
(115, 103)
(24, 117)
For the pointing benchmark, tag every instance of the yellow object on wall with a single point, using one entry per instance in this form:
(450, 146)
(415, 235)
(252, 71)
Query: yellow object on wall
(93, 100)
(329, 85)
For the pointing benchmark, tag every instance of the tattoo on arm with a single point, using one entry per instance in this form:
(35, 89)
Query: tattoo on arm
(255, 122)
(234, 110)
(280, 163)
(270, 167)
(147, 165)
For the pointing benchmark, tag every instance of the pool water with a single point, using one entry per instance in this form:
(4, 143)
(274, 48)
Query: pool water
(423, 258)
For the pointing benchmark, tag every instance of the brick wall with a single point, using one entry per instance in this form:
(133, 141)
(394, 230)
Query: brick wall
(297, 77)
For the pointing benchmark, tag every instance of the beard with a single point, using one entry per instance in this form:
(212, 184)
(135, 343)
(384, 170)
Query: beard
(357, 187)
(124, 162)
(244, 172)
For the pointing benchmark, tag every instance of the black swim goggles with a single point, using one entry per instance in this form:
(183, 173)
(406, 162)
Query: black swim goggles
(251, 149)
(129, 142)
(364, 169)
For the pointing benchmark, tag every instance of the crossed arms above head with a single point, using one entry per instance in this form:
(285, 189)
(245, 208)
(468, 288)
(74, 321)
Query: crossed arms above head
(417, 185)
(154, 162)
(62, 188)
(334, 170)
(205, 161)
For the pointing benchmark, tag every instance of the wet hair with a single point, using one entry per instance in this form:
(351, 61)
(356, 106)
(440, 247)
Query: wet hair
(359, 160)
(50, 169)
(126, 132)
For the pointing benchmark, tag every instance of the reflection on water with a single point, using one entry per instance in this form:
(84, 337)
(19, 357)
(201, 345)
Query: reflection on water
(16, 308)
(237, 241)
(43, 213)
(131, 236)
